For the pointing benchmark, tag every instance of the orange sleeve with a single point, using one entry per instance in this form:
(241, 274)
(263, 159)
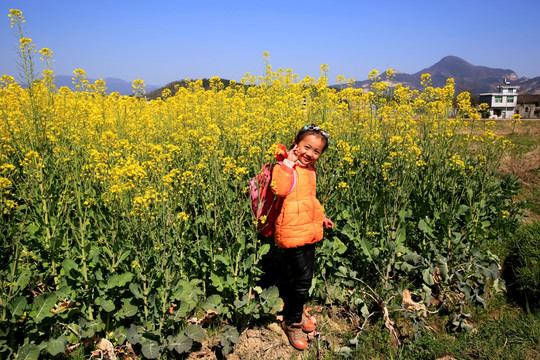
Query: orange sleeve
(282, 180)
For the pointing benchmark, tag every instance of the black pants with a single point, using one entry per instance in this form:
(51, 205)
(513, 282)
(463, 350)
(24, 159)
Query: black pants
(298, 263)
(291, 270)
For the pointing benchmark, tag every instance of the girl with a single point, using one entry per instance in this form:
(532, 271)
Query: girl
(299, 226)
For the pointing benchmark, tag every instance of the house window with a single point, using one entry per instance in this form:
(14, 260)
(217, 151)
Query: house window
(510, 99)
(498, 99)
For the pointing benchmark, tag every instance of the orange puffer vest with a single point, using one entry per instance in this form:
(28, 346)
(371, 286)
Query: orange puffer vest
(300, 221)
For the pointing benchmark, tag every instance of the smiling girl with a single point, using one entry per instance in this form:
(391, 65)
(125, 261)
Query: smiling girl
(299, 226)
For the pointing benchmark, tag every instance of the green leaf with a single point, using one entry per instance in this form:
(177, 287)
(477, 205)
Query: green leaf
(469, 194)
(349, 231)
(66, 292)
(124, 255)
(187, 292)
(229, 337)
(422, 225)
(344, 350)
(119, 280)
(499, 285)
(366, 248)
(17, 306)
(135, 290)
(231, 333)
(462, 210)
(426, 293)
(195, 332)
(270, 293)
(68, 265)
(481, 300)
(240, 303)
(127, 310)
(133, 335)
(106, 304)
(342, 271)
(57, 346)
(264, 249)
(180, 343)
(120, 334)
(428, 278)
(28, 352)
(403, 266)
(182, 310)
(365, 311)
(271, 300)
(90, 328)
(401, 235)
(32, 229)
(42, 306)
(213, 302)
(413, 258)
(443, 267)
(151, 349)
(217, 281)
(222, 259)
(490, 272)
(24, 278)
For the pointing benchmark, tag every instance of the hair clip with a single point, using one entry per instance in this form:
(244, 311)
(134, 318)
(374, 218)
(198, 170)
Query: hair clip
(313, 127)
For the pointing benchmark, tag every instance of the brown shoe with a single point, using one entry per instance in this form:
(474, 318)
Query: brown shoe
(307, 324)
(296, 336)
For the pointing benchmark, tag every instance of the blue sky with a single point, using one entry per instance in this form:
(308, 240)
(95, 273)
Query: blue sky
(166, 40)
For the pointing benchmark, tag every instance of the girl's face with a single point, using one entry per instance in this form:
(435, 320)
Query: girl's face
(310, 148)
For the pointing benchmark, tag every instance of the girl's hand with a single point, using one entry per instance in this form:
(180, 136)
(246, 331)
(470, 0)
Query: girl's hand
(328, 224)
(293, 154)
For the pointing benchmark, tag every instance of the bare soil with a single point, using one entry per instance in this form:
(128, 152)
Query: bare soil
(270, 342)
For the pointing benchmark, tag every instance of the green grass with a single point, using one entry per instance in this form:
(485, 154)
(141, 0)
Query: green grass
(503, 331)
(526, 139)
(523, 143)
(533, 201)
(512, 335)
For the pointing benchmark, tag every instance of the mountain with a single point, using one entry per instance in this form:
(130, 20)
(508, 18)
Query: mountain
(468, 77)
(173, 86)
(113, 84)
(529, 86)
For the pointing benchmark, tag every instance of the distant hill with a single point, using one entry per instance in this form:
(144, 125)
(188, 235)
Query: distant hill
(152, 95)
(468, 77)
(529, 86)
(113, 84)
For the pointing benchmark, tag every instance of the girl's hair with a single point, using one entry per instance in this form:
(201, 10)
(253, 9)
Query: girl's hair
(311, 130)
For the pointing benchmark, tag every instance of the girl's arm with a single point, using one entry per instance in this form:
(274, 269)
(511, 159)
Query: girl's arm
(282, 179)
(328, 224)
(283, 174)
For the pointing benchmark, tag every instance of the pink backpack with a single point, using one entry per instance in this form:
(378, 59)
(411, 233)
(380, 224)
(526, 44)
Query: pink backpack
(265, 205)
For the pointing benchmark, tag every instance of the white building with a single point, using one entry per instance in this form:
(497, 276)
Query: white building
(502, 104)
